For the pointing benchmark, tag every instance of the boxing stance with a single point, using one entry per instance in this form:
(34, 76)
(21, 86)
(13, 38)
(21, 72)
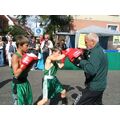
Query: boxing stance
(21, 64)
(51, 84)
(95, 67)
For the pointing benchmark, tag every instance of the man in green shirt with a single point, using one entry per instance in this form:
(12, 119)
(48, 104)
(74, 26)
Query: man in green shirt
(95, 67)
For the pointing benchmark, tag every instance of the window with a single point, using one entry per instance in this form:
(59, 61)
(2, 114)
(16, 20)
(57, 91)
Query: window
(114, 27)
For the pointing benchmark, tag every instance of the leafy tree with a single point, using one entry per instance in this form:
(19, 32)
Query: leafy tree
(57, 23)
(16, 30)
(22, 19)
(53, 23)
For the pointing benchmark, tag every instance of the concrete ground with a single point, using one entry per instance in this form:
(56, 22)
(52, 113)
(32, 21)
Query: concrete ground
(73, 81)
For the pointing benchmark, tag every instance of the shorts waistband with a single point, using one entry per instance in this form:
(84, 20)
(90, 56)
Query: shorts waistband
(49, 77)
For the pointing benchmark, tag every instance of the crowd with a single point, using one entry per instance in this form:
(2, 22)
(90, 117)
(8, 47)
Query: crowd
(7, 48)
(40, 46)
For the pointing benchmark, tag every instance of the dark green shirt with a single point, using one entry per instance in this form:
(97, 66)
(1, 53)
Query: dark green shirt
(95, 68)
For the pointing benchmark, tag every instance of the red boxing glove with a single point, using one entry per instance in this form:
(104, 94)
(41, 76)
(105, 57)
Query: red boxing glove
(74, 53)
(27, 59)
(65, 52)
(33, 56)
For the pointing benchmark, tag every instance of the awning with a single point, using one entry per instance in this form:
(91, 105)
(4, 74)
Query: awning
(98, 30)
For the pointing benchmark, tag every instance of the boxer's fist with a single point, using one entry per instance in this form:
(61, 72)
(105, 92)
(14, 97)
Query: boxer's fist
(33, 56)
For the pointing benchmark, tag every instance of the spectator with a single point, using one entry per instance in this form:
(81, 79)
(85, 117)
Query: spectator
(10, 49)
(1, 52)
(63, 45)
(41, 39)
(33, 49)
(5, 41)
(46, 46)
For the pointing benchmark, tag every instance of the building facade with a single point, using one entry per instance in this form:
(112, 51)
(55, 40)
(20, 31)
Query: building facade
(106, 21)
(3, 23)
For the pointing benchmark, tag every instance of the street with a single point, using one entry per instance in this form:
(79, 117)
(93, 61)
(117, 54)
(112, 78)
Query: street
(73, 81)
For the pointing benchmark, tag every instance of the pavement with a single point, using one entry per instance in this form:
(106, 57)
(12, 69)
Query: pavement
(73, 81)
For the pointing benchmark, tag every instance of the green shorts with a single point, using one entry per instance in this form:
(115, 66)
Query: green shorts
(51, 87)
(24, 93)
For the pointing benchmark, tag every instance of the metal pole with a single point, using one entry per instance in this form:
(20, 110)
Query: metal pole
(36, 21)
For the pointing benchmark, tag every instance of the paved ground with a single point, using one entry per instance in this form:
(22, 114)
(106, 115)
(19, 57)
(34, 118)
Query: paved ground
(73, 81)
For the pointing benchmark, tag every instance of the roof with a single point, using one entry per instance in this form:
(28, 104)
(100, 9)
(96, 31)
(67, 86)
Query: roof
(64, 33)
(101, 31)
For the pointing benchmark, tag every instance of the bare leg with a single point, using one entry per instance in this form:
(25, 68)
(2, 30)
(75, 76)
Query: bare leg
(42, 102)
(63, 96)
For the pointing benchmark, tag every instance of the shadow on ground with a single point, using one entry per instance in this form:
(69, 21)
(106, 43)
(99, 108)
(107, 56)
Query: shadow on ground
(57, 99)
(5, 82)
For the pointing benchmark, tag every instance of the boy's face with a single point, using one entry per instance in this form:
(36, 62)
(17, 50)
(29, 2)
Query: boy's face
(24, 47)
(57, 53)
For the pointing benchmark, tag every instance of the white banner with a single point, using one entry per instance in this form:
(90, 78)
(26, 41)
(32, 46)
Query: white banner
(116, 40)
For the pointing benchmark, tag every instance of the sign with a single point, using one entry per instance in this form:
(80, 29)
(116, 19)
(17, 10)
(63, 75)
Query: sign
(116, 40)
(81, 41)
(38, 31)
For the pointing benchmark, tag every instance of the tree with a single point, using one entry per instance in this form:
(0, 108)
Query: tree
(59, 23)
(16, 30)
(51, 23)
(22, 19)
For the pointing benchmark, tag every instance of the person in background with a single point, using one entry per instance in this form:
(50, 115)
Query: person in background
(41, 39)
(40, 64)
(33, 49)
(46, 46)
(5, 41)
(10, 50)
(63, 45)
(1, 52)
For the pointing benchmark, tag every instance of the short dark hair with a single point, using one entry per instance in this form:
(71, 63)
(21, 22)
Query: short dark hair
(55, 49)
(20, 40)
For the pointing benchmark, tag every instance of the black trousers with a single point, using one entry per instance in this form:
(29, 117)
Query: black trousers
(45, 55)
(89, 97)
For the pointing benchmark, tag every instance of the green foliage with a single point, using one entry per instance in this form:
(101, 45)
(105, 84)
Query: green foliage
(51, 23)
(16, 30)
(22, 19)
(59, 23)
